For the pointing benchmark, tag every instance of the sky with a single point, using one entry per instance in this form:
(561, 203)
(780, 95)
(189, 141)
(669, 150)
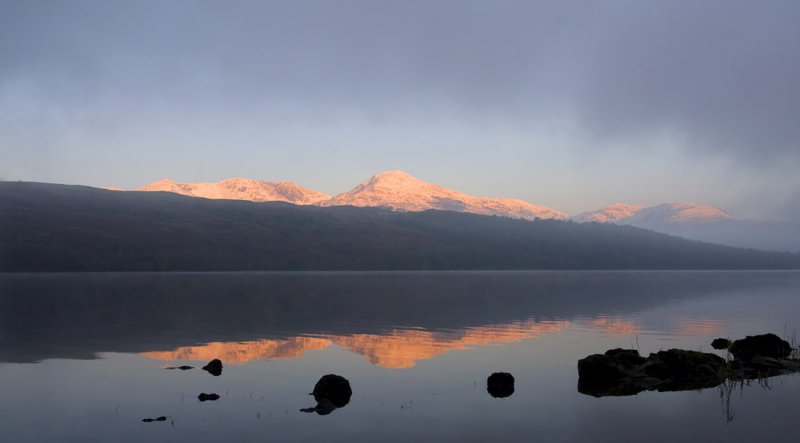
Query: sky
(569, 104)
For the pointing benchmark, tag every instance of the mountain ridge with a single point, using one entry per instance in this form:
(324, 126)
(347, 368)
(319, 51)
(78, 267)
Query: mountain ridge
(240, 189)
(49, 227)
(396, 190)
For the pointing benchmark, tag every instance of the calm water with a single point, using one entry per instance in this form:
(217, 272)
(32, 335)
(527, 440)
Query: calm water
(83, 356)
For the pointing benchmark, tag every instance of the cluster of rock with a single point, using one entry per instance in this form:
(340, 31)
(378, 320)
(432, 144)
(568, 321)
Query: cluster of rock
(620, 372)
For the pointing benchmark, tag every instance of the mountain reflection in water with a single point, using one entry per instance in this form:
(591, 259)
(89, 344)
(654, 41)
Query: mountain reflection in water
(96, 336)
(396, 350)
(392, 318)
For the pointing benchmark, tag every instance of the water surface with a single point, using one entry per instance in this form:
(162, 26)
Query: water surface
(83, 356)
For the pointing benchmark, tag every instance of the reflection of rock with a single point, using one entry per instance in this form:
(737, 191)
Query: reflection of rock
(207, 397)
(331, 391)
(182, 368)
(766, 345)
(323, 407)
(214, 367)
(720, 343)
(149, 420)
(500, 384)
(625, 372)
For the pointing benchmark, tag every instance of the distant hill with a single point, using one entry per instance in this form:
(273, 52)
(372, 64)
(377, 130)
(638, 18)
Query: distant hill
(47, 227)
(644, 217)
(701, 222)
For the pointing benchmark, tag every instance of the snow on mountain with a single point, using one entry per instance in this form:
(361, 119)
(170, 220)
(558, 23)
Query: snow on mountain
(701, 222)
(679, 212)
(654, 216)
(241, 189)
(400, 191)
(608, 214)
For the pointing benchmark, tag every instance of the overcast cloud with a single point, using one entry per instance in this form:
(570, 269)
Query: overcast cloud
(716, 82)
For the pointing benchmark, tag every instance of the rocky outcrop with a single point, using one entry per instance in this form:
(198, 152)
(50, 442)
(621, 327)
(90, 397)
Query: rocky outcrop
(766, 345)
(624, 372)
(720, 343)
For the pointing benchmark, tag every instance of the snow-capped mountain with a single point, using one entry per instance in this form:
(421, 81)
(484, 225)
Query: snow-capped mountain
(400, 191)
(242, 189)
(395, 190)
(679, 212)
(700, 222)
(649, 217)
(608, 214)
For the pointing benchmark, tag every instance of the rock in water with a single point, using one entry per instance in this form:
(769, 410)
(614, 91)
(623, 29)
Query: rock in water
(765, 345)
(625, 372)
(150, 420)
(331, 392)
(334, 388)
(500, 384)
(207, 397)
(720, 343)
(214, 367)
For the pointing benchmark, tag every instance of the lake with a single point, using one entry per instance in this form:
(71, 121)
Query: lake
(87, 357)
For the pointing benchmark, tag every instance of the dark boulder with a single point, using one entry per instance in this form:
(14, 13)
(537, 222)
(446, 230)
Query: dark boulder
(766, 345)
(611, 366)
(334, 388)
(500, 384)
(214, 367)
(684, 370)
(625, 372)
(207, 397)
(331, 392)
(720, 343)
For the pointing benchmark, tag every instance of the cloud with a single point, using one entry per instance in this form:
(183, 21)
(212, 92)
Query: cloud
(791, 207)
(721, 77)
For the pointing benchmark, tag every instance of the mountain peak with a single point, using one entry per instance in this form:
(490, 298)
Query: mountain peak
(682, 212)
(241, 189)
(609, 213)
(400, 191)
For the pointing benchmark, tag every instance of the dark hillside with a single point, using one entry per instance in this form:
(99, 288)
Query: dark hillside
(47, 227)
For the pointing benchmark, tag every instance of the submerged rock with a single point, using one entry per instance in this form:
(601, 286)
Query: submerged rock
(500, 384)
(766, 345)
(150, 420)
(182, 368)
(331, 392)
(207, 397)
(214, 367)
